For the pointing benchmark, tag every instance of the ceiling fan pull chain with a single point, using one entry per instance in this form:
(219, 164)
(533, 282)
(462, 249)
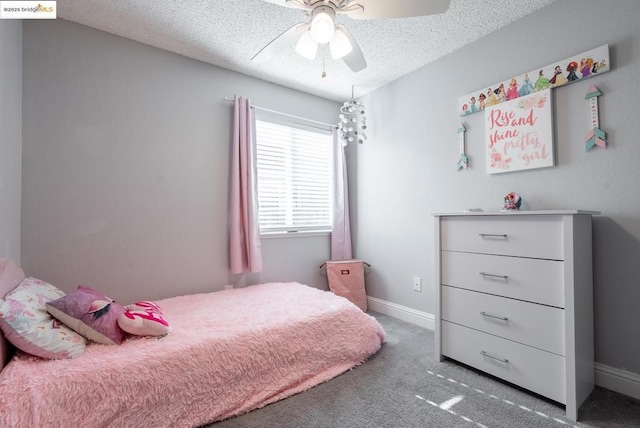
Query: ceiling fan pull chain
(324, 73)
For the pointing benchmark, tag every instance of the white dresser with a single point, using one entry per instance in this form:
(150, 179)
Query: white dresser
(514, 298)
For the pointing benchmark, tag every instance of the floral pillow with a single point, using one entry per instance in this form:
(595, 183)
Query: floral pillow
(144, 319)
(27, 325)
(90, 313)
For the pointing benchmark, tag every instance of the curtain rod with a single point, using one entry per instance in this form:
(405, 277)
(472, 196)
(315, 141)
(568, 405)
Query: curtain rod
(286, 114)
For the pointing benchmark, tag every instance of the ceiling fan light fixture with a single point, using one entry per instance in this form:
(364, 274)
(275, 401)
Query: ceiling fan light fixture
(322, 25)
(339, 45)
(307, 46)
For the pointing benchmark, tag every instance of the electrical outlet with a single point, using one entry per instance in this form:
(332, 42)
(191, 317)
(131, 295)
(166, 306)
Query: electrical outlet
(228, 287)
(417, 283)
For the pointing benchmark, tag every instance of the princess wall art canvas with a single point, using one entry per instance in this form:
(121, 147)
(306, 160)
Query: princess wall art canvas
(578, 67)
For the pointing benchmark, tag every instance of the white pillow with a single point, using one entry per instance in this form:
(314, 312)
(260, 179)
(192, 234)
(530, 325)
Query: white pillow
(27, 325)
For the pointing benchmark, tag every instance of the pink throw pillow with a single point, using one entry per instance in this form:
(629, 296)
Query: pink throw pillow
(10, 276)
(144, 319)
(27, 325)
(91, 314)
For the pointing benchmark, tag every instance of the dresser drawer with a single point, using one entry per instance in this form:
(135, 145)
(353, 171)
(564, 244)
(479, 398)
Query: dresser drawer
(535, 325)
(515, 235)
(539, 371)
(534, 280)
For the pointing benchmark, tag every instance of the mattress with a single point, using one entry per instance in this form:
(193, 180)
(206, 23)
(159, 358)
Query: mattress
(229, 352)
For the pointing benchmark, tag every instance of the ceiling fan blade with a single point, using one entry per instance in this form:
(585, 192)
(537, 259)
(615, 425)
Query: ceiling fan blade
(294, 4)
(354, 59)
(380, 9)
(280, 43)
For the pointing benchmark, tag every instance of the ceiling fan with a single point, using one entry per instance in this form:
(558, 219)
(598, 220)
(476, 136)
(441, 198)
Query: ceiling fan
(322, 28)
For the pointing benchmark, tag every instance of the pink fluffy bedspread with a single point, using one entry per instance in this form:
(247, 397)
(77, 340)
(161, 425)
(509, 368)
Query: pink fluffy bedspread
(229, 352)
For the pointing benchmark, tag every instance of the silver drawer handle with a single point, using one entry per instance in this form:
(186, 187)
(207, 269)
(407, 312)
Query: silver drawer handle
(493, 275)
(483, 313)
(493, 235)
(502, 360)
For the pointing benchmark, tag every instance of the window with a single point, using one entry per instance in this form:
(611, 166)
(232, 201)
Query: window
(294, 177)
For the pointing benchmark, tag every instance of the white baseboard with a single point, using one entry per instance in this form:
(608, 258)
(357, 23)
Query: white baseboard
(413, 316)
(620, 381)
(617, 380)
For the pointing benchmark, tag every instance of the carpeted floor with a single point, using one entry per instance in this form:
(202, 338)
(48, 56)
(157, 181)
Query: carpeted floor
(403, 386)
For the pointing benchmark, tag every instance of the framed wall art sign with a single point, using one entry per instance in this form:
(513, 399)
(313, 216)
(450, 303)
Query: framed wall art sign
(519, 133)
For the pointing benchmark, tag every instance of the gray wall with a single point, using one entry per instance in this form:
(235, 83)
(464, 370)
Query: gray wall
(406, 170)
(10, 137)
(125, 158)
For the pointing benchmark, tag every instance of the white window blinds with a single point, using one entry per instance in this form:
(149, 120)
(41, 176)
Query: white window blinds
(294, 177)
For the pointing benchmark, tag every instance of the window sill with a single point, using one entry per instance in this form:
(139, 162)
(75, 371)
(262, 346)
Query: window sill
(301, 234)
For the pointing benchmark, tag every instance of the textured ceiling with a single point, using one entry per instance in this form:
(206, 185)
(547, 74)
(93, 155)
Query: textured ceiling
(228, 33)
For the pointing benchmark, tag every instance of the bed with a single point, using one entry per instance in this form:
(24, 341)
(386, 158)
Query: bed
(228, 352)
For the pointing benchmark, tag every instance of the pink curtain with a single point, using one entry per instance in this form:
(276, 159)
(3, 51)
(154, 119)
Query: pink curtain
(245, 253)
(341, 234)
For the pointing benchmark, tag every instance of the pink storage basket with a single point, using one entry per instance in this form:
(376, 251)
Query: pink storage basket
(346, 279)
